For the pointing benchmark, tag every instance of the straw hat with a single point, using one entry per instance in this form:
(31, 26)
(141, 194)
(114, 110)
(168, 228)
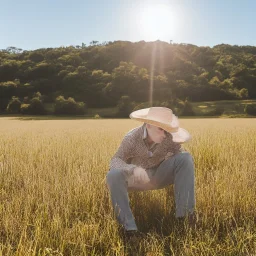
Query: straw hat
(164, 118)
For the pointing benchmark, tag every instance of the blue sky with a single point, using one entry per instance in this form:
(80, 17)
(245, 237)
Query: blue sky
(37, 24)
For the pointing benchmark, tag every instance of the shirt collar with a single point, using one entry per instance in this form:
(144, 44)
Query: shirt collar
(145, 134)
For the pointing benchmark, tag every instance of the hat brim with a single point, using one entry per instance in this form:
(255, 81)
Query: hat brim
(181, 136)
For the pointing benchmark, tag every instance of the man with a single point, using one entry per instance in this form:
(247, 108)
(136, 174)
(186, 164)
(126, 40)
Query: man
(151, 157)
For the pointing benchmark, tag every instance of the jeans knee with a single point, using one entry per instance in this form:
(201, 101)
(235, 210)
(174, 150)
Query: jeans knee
(186, 159)
(114, 176)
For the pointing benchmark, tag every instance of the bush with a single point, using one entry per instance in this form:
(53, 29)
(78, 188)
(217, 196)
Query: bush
(80, 108)
(3, 104)
(14, 105)
(26, 100)
(124, 106)
(37, 95)
(217, 111)
(69, 106)
(24, 109)
(187, 109)
(148, 105)
(175, 106)
(97, 116)
(243, 93)
(36, 107)
(250, 109)
(141, 106)
(172, 103)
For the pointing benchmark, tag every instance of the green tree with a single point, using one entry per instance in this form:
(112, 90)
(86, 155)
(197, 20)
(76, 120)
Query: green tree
(250, 109)
(124, 106)
(36, 106)
(99, 74)
(244, 93)
(36, 56)
(14, 105)
(187, 109)
(69, 106)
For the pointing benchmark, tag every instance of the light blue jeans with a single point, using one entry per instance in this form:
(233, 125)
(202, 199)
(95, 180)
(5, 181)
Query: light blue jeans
(177, 170)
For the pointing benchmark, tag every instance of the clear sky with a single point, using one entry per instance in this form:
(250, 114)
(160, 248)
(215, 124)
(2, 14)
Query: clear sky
(33, 24)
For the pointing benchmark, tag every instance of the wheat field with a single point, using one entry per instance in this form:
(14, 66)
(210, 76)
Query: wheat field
(54, 199)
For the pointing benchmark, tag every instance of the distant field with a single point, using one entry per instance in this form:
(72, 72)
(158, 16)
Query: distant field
(54, 200)
(230, 107)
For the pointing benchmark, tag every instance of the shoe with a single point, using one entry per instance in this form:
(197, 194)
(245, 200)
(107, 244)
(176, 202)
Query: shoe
(191, 220)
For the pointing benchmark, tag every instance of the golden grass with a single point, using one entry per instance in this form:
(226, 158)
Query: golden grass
(54, 200)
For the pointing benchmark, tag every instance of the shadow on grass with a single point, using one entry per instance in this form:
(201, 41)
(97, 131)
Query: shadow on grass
(156, 219)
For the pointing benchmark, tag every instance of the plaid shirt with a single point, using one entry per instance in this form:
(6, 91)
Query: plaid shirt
(134, 151)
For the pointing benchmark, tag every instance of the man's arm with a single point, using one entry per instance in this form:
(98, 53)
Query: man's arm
(119, 160)
(177, 148)
(173, 148)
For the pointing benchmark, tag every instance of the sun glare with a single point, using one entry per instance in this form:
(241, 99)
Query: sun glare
(157, 21)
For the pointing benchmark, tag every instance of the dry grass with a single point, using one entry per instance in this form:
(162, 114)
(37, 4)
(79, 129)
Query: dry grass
(54, 200)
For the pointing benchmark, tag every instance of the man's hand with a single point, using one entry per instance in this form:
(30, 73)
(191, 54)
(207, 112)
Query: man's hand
(140, 175)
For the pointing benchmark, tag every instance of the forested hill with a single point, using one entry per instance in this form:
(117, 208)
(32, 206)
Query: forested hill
(100, 74)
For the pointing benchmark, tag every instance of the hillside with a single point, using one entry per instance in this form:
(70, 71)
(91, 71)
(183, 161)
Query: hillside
(100, 74)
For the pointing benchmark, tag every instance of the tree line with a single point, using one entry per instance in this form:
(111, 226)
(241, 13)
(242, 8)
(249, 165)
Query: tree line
(99, 75)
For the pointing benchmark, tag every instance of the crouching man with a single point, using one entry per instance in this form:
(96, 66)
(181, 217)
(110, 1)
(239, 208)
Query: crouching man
(151, 157)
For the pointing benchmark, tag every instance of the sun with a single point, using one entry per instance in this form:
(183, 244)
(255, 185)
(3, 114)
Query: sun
(158, 21)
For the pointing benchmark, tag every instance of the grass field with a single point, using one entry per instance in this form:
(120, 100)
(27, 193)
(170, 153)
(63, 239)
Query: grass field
(54, 200)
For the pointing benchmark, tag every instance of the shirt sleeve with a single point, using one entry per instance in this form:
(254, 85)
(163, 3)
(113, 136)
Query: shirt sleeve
(119, 160)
